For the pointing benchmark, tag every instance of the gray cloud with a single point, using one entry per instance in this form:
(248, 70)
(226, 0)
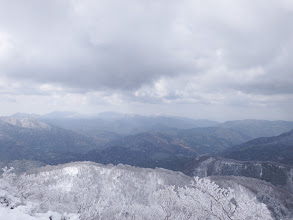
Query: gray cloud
(198, 52)
(120, 51)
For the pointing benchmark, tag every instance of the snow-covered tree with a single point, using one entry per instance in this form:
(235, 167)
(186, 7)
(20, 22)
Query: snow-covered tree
(100, 192)
(204, 199)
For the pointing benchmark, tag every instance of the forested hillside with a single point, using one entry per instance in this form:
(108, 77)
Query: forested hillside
(277, 148)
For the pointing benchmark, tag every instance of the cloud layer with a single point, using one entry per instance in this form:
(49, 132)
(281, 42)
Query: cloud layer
(229, 54)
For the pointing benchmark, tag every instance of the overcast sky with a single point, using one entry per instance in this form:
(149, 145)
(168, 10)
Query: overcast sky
(215, 59)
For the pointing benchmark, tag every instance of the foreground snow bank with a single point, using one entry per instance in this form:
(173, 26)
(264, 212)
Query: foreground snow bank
(19, 214)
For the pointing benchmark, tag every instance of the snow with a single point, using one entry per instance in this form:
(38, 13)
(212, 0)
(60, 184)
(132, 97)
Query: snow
(17, 214)
(72, 171)
(111, 192)
(26, 123)
(12, 214)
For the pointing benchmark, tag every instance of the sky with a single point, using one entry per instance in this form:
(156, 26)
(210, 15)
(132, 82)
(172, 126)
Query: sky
(213, 59)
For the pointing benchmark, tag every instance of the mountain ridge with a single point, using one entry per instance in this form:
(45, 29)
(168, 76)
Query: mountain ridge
(277, 148)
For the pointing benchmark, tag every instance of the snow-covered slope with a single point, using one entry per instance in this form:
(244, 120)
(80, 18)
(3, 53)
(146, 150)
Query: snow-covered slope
(20, 213)
(31, 139)
(94, 191)
(26, 122)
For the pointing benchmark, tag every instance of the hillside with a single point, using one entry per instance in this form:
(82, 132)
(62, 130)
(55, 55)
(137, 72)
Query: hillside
(124, 124)
(88, 191)
(258, 128)
(275, 173)
(31, 139)
(271, 182)
(209, 140)
(170, 149)
(277, 148)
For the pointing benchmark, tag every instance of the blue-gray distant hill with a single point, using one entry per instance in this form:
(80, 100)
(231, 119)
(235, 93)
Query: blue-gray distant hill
(258, 128)
(277, 148)
(122, 124)
(32, 139)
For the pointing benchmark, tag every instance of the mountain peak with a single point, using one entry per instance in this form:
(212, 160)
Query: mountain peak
(26, 122)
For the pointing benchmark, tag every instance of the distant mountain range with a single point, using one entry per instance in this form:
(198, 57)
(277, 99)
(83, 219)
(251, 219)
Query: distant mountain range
(259, 128)
(111, 137)
(277, 148)
(31, 139)
(125, 124)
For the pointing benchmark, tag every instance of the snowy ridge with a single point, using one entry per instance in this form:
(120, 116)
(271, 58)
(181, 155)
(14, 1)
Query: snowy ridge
(92, 191)
(26, 123)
